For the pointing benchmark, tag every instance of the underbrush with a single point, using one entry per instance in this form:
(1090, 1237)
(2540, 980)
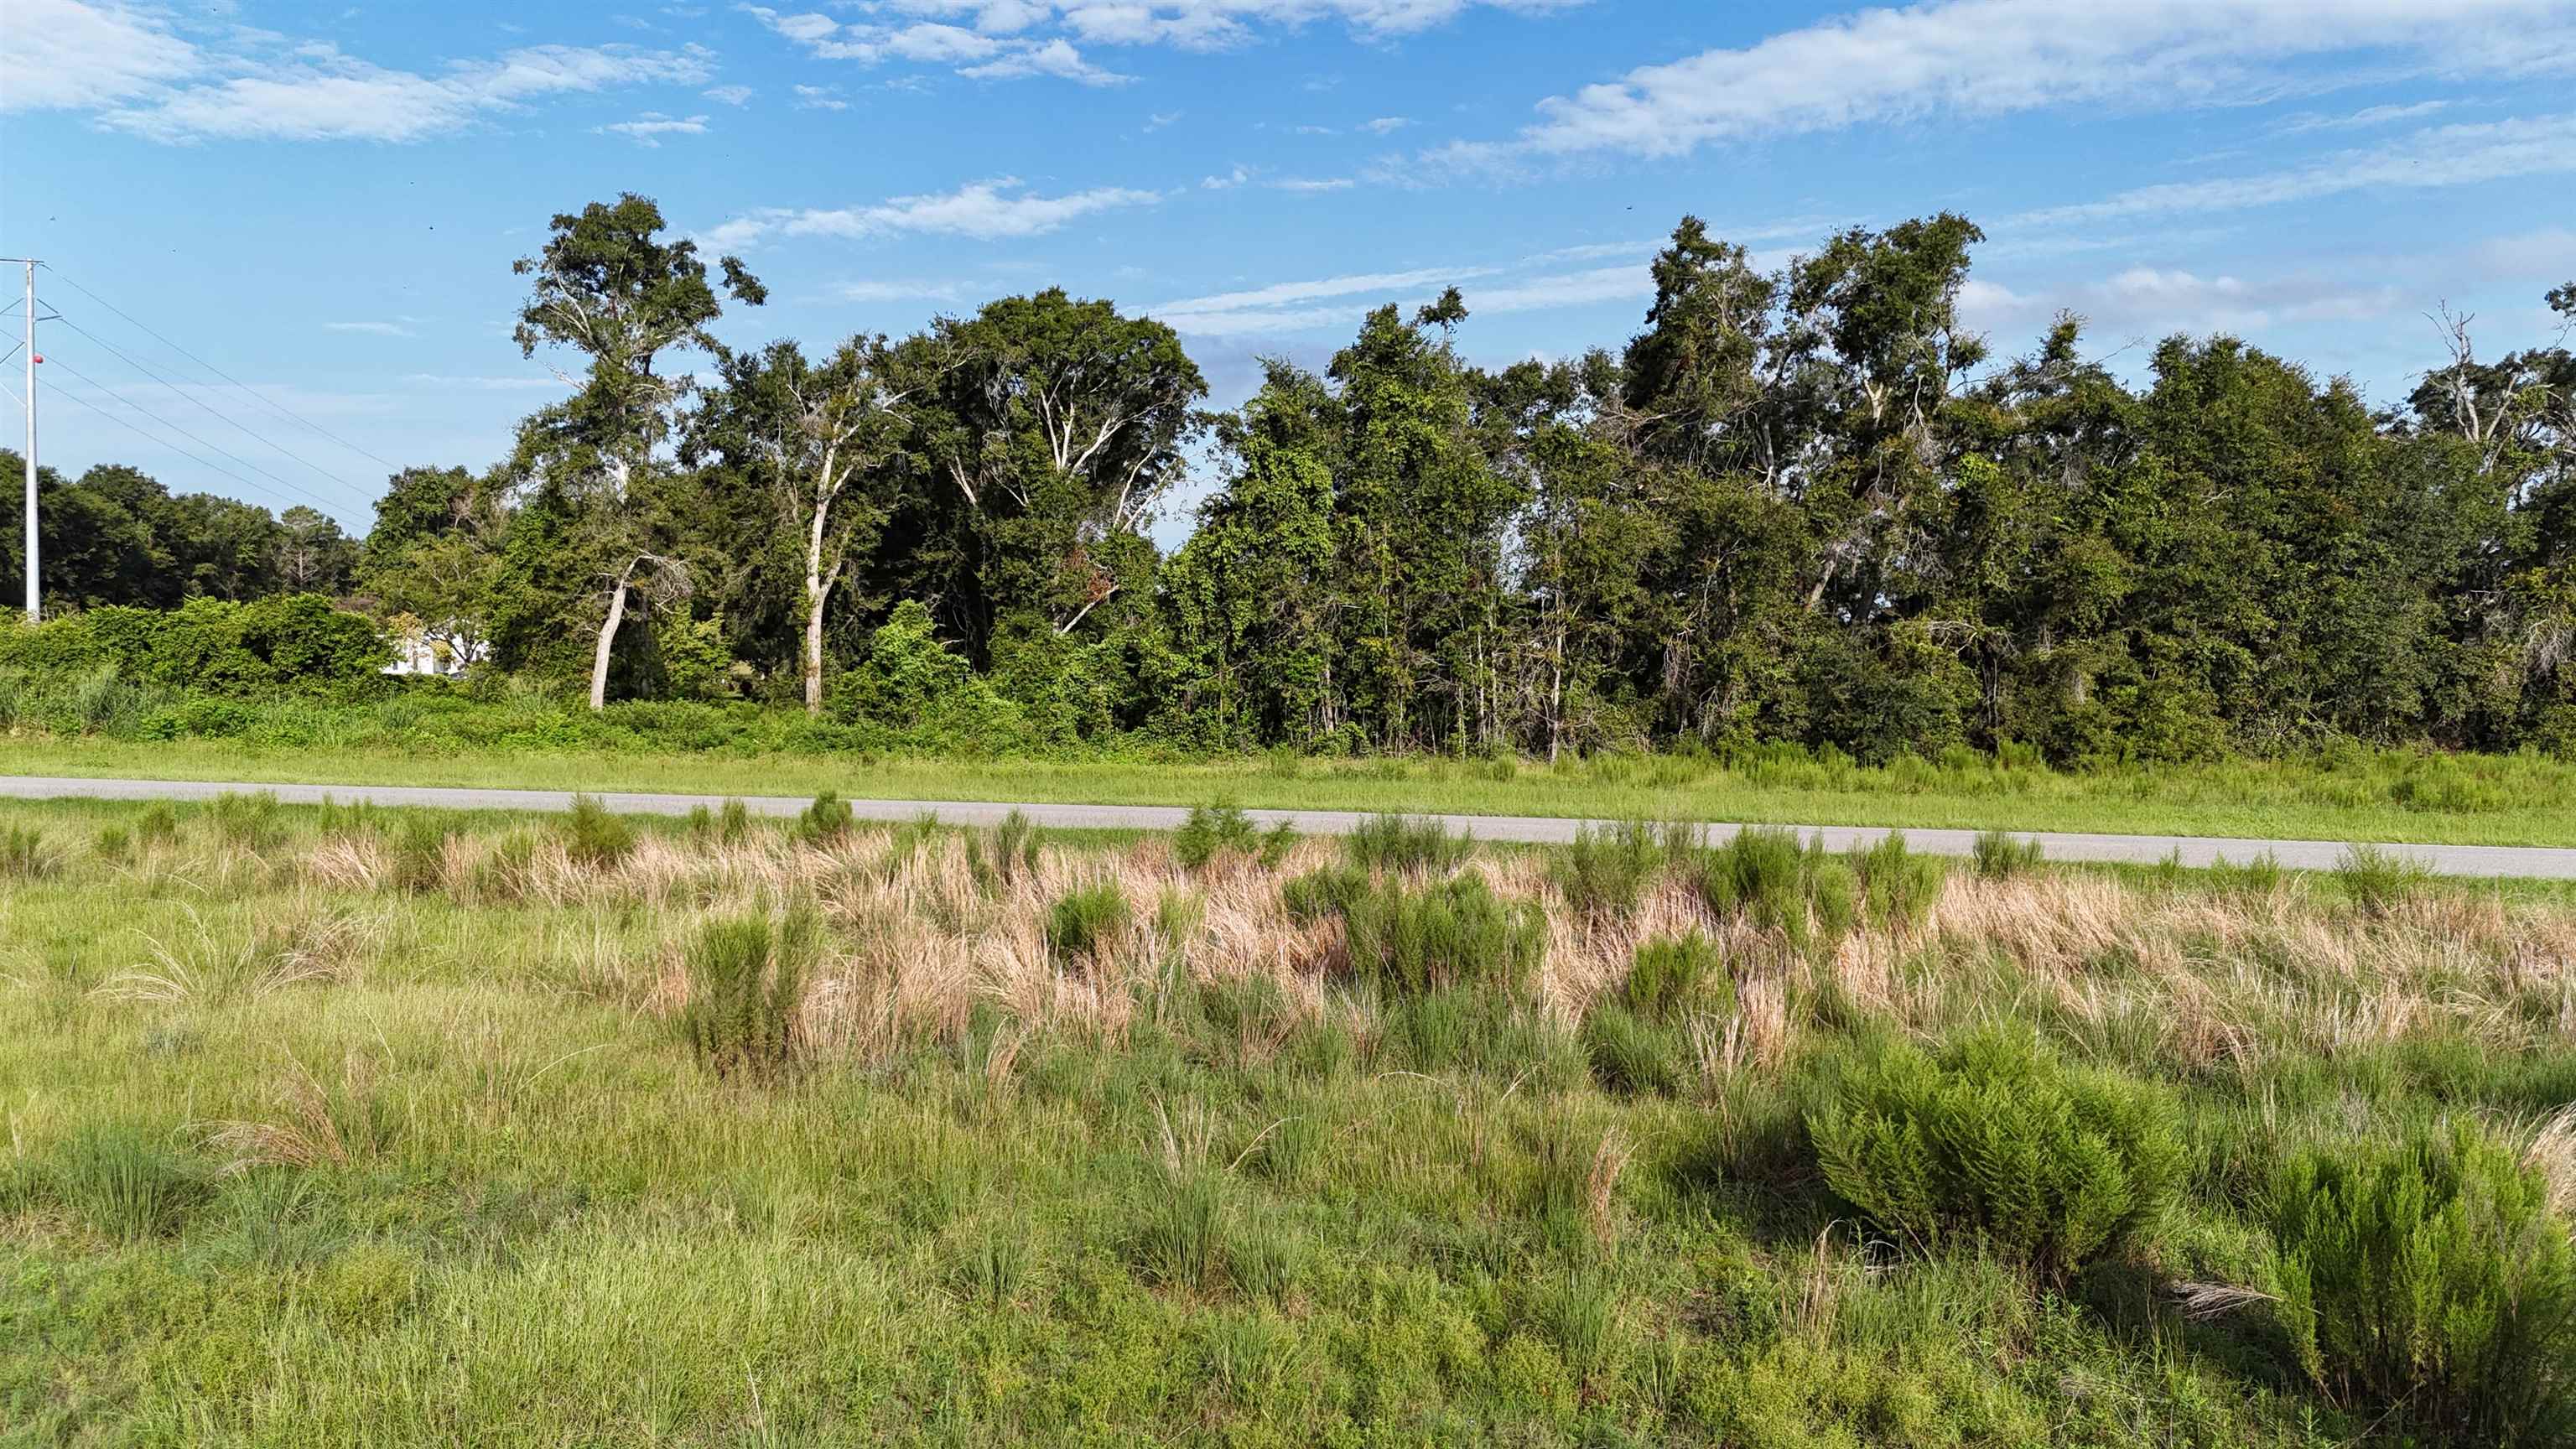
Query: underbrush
(745, 1130)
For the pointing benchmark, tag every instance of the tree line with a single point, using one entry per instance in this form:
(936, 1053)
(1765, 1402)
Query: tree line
(1806, 504)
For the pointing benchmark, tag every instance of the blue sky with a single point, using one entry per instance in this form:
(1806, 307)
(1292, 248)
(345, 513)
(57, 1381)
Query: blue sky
(323, 201)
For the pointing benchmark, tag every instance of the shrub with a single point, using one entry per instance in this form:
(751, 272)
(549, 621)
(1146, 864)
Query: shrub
(418, 862)
(1180, 1240)
(1276, 842)
(1669, 972)
(826, 821)
(2430, 1279)
(1082, 923)
(1457, 932)
(747, 990)
(2000, 855)
(1320, 894)
(158, 824)
(594, 837)
(2380, 881)
(1759, 872)
(1995, 1140)
(115, 844)
(359, 817)
(1631, 1052)
(1393, 842)
(1604, 871)
(733, 822)
(1211, 831)
(24, 855)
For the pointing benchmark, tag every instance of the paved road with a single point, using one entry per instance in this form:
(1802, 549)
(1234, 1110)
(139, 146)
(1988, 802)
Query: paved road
(2548, 863)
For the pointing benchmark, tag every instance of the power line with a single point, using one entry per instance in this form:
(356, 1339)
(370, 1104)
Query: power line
(274, 406)
(219, 416)
(174, 427)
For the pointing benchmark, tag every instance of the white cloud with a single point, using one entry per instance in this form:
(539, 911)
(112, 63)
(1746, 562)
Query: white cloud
(2367, 116)
(63, 55)
(985, 210)
(1159, 119)
(2153, 301)
(729, 95)
(878, 290)
(648, 128)
(374, 329)
(486, 384)
(2439, 157)
(1279, 308)
(1228, 181)
(1311, 185)
(1055, 58)
(1995, 57)
(313, 91)
(819, 98)
(1387, 125)
(1570, 289)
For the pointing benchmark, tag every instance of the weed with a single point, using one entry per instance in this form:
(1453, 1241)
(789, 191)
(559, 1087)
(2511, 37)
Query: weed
(1213, 831)
(1455, 932)
(1399, 843)
(2001, 855)
(1898, 888)
(746, 992)
(1004, 855)
(2429, 1278)
(826, 822)
(417, 861)
(24, 853)
(1604, 871)
(253, 822)
(156, 824)
(1082, 923)
(2380, 880)
(115, 844)
(733, 821)
(593, 836)
(127, 1183)
(1994, 1140)
(1671, 973)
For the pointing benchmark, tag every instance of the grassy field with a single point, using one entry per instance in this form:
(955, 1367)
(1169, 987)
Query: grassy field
(342, 1127)
(2394, 797)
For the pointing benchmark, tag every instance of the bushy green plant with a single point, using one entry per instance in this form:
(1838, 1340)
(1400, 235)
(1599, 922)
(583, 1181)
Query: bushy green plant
(1211, 831)
(746, 992)
(156, 824)
(1996, 1141)
(252, 821)
(2380, 880)
(1454, 932)
(1605, 870)
(733, 821)
(593, 836)
(115, 844)
(825, 822)
(1670, 973)
(1763, 874)
(1321, 894)
(1898, 887)
(337, 821)
(125, 1182)
(1082, 923)
(2430, 1280)
(24, 855)
(1630, 1051)
(416, 863)
(1397, 842)
(1276, 842)
(2001, 855)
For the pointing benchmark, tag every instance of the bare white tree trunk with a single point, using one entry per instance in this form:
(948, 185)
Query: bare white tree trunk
(608, 637)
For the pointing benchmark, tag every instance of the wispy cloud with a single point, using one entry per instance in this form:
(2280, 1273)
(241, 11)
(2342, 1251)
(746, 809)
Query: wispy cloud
(375, 329)
(648, 128)
(985, 210)
(729, 95)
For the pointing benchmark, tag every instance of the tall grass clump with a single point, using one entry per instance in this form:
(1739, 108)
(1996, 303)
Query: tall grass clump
(24, 855)
(1996, 1142)
(1213, 831)
(124, 1182)
(1762, 874)
(1453, 933)
(594, 837)
(1605, 871)
(252, 821)
(2380, 881)
(1672, 973)
(1897, 887)
(1004, 854)
(747, 990)
(156, 824)
(417, 862)
(2001, 855)
(1401, 843)
(1082, 923)
(2430, 1279)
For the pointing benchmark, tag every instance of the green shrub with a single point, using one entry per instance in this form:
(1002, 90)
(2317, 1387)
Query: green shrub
(1996, 1141)
(1082, 923)
(594, 837)
(1631, 1052)
(1455, 932)
(115, 844)
(2430, 1280)
(1604, 871)
(1321, 894)
(2380, 881)
(24, 855)
(1898, 888)
(1276, 842)
(2001, 855)
(826, 822)
(1394, 842)
(337, 821)
(1671, 972)
(747, 990)
(1179, 1240)
(1211, 831)
(1759, 872)
(733, 822)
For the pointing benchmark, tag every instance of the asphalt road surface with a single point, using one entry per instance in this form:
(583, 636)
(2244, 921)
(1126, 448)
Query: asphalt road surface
(2537, 862)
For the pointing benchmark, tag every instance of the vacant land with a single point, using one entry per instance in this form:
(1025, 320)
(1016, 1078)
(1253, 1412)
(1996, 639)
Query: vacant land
(2390, 796)
(336, 1127)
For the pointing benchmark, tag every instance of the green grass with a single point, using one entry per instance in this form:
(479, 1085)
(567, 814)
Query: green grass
(2395, 797)
(306, 1150)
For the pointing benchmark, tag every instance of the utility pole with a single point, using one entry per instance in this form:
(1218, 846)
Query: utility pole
(35, 598)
